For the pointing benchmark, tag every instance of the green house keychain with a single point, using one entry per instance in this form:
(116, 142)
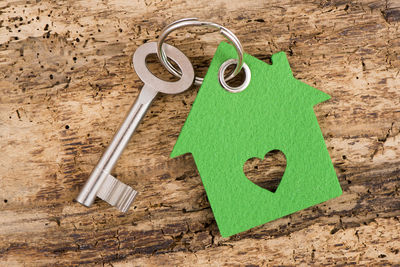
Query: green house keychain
(274, 112)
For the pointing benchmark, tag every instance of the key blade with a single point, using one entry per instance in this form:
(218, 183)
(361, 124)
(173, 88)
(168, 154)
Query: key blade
(117, 193)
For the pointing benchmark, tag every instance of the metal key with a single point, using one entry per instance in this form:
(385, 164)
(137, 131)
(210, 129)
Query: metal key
(101, 183)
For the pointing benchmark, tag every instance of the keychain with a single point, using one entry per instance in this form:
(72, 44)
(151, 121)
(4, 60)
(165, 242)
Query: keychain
(270, 110)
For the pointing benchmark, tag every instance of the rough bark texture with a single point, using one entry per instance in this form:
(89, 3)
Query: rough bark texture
(66, 83)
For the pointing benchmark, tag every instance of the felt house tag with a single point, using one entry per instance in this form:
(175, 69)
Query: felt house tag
(224, 130)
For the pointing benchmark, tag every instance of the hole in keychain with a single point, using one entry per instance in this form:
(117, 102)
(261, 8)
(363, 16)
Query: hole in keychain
(156, 68)
(238, 80)
(267, 172)
(231, 87)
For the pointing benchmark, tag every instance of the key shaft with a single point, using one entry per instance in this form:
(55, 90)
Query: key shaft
(114, 150)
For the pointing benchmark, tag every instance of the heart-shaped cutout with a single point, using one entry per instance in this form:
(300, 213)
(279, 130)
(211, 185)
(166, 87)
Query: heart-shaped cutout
(266, 173)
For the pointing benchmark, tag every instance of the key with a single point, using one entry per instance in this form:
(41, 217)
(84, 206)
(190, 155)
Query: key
(101, 183)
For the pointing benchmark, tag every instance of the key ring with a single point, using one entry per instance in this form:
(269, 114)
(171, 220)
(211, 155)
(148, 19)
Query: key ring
(195, 22)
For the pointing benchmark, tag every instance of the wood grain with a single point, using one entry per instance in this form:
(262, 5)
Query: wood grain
(66, 84)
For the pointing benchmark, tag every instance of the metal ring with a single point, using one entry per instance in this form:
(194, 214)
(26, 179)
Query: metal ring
(222, 80)
(195, 22)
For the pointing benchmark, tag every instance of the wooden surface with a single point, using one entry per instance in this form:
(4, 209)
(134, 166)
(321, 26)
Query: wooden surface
(66, 84)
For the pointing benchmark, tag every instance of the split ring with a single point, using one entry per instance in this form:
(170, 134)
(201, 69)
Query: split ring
(195, 22)
(222, 80)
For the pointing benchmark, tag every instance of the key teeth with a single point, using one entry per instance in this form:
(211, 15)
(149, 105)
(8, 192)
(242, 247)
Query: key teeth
(117, 193)
(126, 199)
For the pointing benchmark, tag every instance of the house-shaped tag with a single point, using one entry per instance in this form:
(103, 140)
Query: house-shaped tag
(275, 112)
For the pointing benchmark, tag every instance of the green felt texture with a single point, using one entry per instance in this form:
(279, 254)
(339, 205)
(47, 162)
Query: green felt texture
(224, 130)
